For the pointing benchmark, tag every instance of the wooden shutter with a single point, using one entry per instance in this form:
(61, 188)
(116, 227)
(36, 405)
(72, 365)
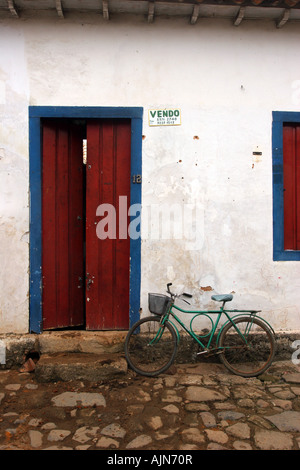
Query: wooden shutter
(291, 175)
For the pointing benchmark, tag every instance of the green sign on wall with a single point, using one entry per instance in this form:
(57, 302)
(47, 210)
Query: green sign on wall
(164, 117)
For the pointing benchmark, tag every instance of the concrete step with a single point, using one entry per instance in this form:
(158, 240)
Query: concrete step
(80, 366)
(15, 349)
(95, 342)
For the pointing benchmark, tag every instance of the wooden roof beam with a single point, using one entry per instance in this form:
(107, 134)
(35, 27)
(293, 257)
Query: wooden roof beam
(284, 18)
(195, 14)
(105, 10)
(59, 9)
(12, 8)
(151, 8)
(240, 16)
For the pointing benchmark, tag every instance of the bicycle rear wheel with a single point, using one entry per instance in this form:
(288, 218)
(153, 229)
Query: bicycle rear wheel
(251, 356)
(150, 348)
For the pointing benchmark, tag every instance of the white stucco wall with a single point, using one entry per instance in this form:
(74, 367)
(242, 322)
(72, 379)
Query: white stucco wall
(226, 81)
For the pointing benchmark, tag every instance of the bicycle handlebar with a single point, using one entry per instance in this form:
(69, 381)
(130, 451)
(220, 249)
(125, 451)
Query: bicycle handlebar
(168, 288)
(174, 295)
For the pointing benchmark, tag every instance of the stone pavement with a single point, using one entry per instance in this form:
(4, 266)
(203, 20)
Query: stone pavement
(193, 407)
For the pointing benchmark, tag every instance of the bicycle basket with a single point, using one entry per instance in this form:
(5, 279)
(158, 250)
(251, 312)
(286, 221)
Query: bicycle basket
(159, 303)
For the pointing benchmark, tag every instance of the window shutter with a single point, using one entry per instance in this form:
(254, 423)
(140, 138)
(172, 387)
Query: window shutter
(291, 181)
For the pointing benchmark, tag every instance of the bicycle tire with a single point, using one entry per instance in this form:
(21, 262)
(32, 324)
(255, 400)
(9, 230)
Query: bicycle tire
(148, 352)
(247, 360)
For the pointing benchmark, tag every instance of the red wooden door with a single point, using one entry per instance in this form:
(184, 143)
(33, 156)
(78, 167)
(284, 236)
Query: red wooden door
(107, 259)
(291, 174)
(62, 225)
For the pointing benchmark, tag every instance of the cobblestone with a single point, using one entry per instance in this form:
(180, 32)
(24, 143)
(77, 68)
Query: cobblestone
(198, 407)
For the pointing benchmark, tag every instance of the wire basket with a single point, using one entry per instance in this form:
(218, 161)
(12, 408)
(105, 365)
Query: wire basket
(159, 304)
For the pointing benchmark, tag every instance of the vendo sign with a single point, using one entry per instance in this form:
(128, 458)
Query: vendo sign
(164, 117)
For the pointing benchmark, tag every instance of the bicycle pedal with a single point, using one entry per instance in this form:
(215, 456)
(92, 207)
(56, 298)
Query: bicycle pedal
(203, 352)
(211, 352)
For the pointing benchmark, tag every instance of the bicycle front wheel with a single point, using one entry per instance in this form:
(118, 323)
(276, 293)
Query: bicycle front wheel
(251, 354)
(150, 348)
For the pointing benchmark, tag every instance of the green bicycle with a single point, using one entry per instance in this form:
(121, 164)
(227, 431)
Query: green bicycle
(245, 343)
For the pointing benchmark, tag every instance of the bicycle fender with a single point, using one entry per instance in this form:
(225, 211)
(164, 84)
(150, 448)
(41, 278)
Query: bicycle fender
(244, 315)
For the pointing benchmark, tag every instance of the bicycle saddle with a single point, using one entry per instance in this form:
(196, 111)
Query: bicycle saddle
(222, 298)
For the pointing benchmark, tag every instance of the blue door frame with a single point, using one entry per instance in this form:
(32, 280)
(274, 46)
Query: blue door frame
(36, 114)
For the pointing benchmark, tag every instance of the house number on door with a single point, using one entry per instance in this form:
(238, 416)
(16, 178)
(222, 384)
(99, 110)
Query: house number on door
(137, 179)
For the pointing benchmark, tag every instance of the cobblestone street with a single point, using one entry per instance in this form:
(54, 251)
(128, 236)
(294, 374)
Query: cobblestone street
(194, 407)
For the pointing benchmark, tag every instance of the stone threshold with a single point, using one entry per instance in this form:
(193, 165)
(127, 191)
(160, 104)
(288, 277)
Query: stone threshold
(16, 349)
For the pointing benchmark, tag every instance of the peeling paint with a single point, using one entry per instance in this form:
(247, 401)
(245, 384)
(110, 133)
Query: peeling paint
(25, 237)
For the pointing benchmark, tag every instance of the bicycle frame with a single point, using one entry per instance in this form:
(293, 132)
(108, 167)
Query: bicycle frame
(207, 313)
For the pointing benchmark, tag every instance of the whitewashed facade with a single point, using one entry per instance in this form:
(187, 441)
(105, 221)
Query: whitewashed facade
(226, 81)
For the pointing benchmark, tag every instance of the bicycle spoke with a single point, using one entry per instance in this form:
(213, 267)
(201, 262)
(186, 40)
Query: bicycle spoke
(251, 354)
(150, 348)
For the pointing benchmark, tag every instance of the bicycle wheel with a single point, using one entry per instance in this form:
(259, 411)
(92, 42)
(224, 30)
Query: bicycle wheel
(251, 356)
(150, 348)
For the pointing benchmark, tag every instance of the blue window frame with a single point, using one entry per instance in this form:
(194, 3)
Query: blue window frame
(279, 119)
(36, 114)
